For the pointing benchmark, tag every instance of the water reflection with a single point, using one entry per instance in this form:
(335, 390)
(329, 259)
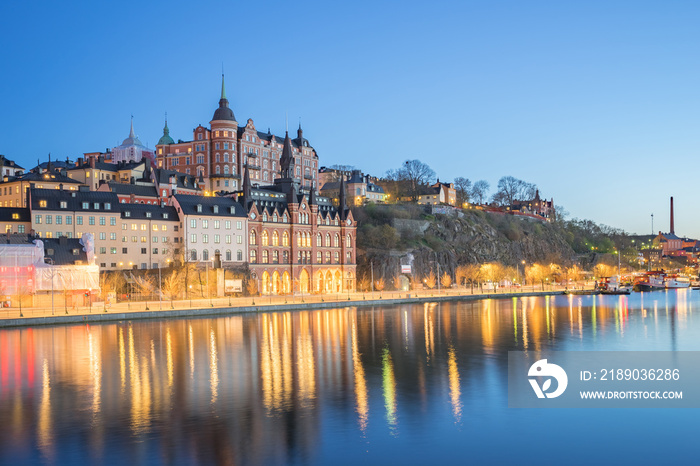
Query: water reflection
(286, 387)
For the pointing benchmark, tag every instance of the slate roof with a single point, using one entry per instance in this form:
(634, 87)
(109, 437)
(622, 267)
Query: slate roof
(54, 177)
(6, 213)
(136, 189)
(188, 204)
(62, 249)
(162, 176)
(140, 211)
(74, 200)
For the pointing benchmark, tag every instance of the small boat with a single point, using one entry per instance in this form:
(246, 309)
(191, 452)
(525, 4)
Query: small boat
(612, 285)
(620, 291)
(650, 281)
(676, 281)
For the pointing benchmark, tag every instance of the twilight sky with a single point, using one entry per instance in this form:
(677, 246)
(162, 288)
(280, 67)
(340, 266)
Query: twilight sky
(596, 102)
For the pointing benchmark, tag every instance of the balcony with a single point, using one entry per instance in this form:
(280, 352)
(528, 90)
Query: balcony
(309, 177)
(252, 166)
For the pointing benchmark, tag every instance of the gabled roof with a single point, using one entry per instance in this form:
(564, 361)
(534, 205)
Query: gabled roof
(54, 177)
(183, 180)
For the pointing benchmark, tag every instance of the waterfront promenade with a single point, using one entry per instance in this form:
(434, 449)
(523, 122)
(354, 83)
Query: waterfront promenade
(101, 312)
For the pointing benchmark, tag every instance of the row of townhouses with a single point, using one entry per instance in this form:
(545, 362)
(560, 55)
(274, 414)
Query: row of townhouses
(233, 197)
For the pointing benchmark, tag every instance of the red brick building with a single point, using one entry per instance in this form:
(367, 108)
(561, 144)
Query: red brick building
(298, 241)
(222, 153)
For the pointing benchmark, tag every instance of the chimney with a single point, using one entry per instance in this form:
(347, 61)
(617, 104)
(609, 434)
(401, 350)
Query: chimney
(92, 161)
(132, 199)
(672, 228)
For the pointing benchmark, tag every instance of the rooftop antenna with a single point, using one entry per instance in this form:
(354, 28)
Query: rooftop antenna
(652, 224)
(286, 122)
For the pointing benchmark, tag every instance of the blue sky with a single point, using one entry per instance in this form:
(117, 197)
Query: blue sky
(596, 102)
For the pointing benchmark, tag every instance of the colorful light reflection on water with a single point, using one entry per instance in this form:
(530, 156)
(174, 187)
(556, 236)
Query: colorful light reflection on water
(408, 384)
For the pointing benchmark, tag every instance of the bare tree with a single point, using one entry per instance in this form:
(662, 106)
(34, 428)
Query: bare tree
(463, 187)
(412, 177)
(172, 286)
(446, 280)
(479, 191)
(511, 189)
(145, 285)
(431, 280)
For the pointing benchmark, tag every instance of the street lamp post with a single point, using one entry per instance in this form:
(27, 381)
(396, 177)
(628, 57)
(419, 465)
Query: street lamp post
(52, 272)
(160, 289)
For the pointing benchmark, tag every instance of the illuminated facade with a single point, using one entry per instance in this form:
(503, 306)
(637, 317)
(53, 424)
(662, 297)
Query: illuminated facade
(297, 241)
(221, 154)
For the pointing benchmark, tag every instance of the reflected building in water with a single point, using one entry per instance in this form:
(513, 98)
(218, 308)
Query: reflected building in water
(263, 387)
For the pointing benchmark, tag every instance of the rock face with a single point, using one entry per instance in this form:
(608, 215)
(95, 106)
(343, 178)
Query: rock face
(467, 238)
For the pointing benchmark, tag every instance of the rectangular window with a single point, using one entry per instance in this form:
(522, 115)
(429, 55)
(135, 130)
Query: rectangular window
(239, 239)
(20, 228)
(108, 206)
(144, 227)
(205, 238)
(144, 239)
(154, 239)
(103, 221)
(216, 239)
(144, 251)
(113, 236)
(228, 239)
(103, 235)
(193, 223)
(217, 224)
(48, 219)
(205, 223)
(164, 239)
(239, 255)
(112, 250)
(239, 225)
(193, 238)
(228, 224)
(64, 205)
(134, 227)
(91, 220)
(134, 239)
(155, 250)
(97, 205)
(124, 250)
(103, 250)
(41, 203)
(125, 239)
(59, 219)
(113, 221)
(78, 219)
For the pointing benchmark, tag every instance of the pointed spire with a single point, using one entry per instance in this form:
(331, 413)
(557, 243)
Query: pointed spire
(223, 112)
(287, 159)
(131, 132)
(246, 187)
(223, 86)
(312, 194)
(341, 198)
(300, 133)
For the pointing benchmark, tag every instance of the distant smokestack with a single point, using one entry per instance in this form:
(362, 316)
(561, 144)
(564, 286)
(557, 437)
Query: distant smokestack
(672, 228)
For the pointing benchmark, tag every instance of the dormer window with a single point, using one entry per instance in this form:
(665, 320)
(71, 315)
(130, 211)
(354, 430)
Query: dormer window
(165, 215)
(108, 206)
(97, 205)
(76, 252)
(199, 207)
(42, 203)
(232, 209)
(15, 216)
(127, 214)
(148, 215)
(64, 205)
(216, 209)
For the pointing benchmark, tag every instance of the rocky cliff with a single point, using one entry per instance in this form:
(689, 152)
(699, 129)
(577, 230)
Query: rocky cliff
(392, 235)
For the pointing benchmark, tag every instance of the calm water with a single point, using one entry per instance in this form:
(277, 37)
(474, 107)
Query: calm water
(390, 385)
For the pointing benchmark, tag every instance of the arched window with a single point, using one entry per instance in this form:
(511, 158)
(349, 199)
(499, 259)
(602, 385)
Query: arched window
(193, 255)
(336, 241)
(264, 256)
(225, 169)
(328, 221)
(285, 239)
(218, 159)
(300, 241)
(318, 240)
(328, 257)
(348, 257)
(205, 255)
(336, 257)
(308, 240)
(284, 218)
(253, 256)
(275, 257)
(253, 238)
(228, 254)
(348, 242)
(274, 217)
(285, 257)
(275, 239)
(218, 169)
(319, 257)
(336, 221)
(328, 240)
(225, 158)
(264, 239)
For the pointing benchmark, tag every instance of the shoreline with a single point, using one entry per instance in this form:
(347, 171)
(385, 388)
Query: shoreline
(112, 316)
